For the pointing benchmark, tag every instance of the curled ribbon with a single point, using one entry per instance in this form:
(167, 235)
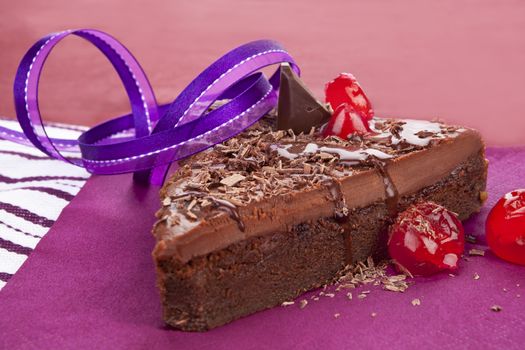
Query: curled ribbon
(152, 136)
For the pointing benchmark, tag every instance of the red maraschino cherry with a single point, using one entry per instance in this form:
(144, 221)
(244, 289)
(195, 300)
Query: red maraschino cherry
(345, 89)
(425, 239)
(346, 121)
(505, 227)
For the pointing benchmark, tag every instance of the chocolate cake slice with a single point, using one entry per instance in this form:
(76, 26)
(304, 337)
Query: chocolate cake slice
(269, 214)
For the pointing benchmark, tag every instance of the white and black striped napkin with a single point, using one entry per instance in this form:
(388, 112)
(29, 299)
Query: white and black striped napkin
(34, 189)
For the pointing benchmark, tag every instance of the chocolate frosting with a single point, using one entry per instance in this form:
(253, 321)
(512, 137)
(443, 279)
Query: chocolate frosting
(298, 178)
(298, 109)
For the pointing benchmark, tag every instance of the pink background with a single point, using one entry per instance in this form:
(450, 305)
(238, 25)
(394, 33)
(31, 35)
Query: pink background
(461, 61)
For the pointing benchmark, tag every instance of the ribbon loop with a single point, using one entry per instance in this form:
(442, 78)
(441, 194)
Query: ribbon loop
(152, 136)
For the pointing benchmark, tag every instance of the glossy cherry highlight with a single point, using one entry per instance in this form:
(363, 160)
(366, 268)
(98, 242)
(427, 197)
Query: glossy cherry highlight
(345, 89)
(505, 227)
(346, 121)
(425, 239)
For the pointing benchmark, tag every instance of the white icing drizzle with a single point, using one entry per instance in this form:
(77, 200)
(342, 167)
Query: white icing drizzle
(283, 151)
(311, 148)
(344, 154)
(372, 125)
(410, 129)
(408, 133)
(360, 154)
(351, 163)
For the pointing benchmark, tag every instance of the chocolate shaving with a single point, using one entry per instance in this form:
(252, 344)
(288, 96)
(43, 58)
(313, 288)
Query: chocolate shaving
(232, 180)
(396, 129)
(425, 134)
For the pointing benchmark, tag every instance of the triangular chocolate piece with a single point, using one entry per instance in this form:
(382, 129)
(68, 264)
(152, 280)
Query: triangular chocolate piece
(298, 109)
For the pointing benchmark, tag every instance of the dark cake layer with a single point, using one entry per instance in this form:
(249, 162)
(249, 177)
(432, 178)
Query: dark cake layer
(263, 271)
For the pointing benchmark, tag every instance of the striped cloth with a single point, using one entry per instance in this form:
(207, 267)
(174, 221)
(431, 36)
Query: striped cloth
(34, 189)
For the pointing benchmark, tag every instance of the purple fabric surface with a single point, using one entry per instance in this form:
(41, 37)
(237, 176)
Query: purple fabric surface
(90, 284)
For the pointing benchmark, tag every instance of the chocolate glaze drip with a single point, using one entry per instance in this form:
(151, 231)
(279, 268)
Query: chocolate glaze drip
(392, 194)
(341, 213)
(231, 209)
(341, 210)
(220, 204)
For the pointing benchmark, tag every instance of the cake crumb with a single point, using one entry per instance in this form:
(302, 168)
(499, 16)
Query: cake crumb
(397, 278)
(483, 196)
(505, 290)
(347, 286)
(451, 275)
(496, 308)
(403, 269)
(303, 303)
(361, 296)
(476, 252)
(416, 302)
(396, 287)
(329, 295)
(349, 295)
(373, 314)
(287, 303)
(476, 276)
(336, 315)
(369, 272)
(395, 283)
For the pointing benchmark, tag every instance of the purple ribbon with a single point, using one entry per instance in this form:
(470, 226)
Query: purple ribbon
(152, 136)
